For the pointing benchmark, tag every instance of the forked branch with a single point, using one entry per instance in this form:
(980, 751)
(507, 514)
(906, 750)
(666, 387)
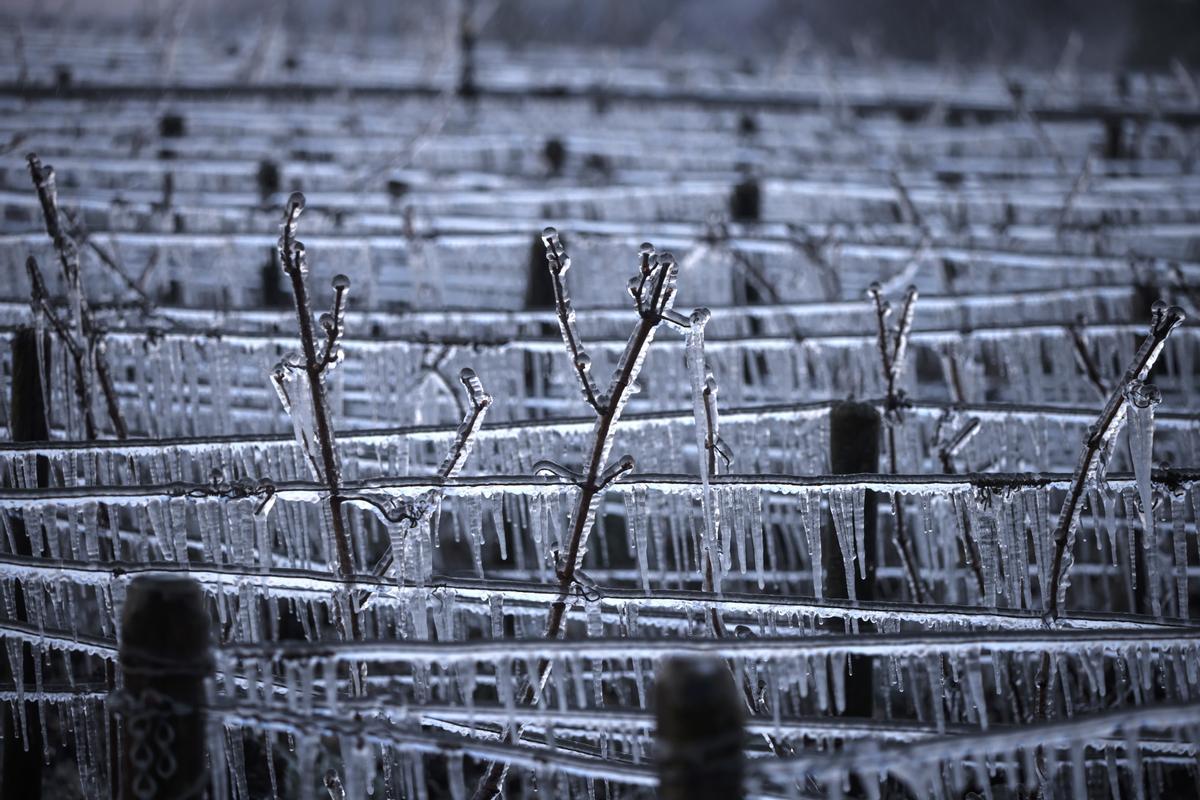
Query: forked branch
(653, 292)
(414, 516)
(82, 338)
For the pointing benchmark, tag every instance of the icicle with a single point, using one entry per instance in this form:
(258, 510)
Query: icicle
(635, 521)
(842, 511)
(1143, 398)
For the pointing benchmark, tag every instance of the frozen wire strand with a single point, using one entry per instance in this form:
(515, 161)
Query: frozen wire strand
(589, 722)
(69, 641)
(311, 584)
(1086, 728)
(783, 485)
(929, 338)
(1164, 319)
(437, 743)
(1027, 642)
(992, 411)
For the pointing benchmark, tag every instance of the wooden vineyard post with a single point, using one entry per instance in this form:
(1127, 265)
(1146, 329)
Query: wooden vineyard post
(21, 760)
(165, 659)
(700, 731)
(854, 431)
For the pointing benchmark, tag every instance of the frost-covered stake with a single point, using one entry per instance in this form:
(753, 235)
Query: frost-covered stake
(82, 338)
(893, 348)
(653, 292)
(1096, 451)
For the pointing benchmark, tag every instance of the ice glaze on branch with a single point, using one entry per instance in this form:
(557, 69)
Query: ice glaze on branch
(893, 347)
(559, 262)
(415, 515)
(79, 333)
(653, 292)
(1163, 320)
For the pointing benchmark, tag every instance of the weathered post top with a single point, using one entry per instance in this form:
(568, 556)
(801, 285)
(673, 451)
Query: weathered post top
(165, 659)
(701, 730)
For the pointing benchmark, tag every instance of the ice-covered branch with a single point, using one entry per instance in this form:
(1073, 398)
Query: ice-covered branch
(80, 334)
(308, 405)
(653, 291)
(893, 347)
(413, 517)
(559, 262)
(1164, 319)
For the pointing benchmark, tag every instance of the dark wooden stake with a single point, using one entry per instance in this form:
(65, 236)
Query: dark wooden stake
(701, 730)
(854, 431)
(21, 768)
(165, 658)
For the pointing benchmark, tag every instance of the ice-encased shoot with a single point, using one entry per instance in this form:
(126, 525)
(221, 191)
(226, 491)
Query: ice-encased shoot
(80, 335)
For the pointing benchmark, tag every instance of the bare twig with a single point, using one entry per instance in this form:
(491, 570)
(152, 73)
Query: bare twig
(1083, 355)
(560, 262)
(893, 346)
(1078, 187)
(1016, 93)
(414, 516)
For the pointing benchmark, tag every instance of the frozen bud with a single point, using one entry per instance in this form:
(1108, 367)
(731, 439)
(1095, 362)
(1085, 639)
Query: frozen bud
(710, 385)
(340, 283)
(326, 321)
(667, 260)
(626, 464)
(1142, 395)
(700, 317)
(646, 257)
(874, 288)
(549, 236)
(295, 204)
(300, 257)
(583, 362)
(632, 286)
(1164, 318)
